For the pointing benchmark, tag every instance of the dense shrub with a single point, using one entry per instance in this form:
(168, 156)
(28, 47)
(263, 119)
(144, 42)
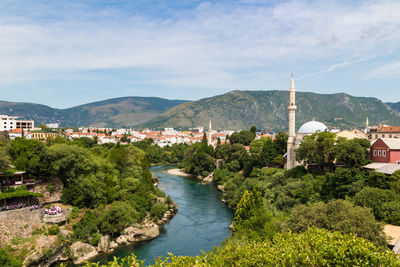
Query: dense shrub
(337, 215)
(252, 220)
(86, 229)
(117, 217)
(6, 259)
(53, 230)
(375, 199)
(158, 210)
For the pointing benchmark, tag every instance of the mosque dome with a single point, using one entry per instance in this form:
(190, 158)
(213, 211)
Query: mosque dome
(312, 127)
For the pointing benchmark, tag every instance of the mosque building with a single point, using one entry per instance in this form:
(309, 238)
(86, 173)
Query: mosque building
(307, 128)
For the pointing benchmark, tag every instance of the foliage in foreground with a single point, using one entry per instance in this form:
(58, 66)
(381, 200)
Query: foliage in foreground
(315, 247)
(7, 259)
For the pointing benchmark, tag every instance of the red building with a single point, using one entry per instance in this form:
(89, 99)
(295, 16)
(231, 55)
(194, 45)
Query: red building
(386, 150)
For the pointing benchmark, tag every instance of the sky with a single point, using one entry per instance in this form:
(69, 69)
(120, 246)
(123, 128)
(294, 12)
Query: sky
(67, 53)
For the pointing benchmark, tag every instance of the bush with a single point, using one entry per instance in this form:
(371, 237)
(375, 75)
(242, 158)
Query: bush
(158, 210)
(6, 259)
(53, 230)
(86, 229)
(252, 220)
(375, 198)
(117, 217)
(337, 215)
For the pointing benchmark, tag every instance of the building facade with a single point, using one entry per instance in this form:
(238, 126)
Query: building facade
(9, 123)
(43, 134)
(383, 131)
(385, 150)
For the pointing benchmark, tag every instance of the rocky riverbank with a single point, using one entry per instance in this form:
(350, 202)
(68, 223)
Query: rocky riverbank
(178, 172)
(182, 173)
(146, 230)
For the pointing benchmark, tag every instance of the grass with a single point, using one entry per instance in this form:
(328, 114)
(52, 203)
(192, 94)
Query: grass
(20, 240)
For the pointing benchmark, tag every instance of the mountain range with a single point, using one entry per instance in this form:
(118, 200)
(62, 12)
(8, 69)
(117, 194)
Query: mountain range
(268, 109)
(116, 112)
(234, 110)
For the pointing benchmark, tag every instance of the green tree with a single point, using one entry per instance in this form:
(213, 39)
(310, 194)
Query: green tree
(30, 155)
(269, 151)
(281, 142)
(375, 199)
(242, 137)
(337, 215)
(70, 161)
(86, 229)
(317, 150)
(198, 159)
(352, 153)
(5, 160)
(117, 217)
(253, 129)
(252, 219)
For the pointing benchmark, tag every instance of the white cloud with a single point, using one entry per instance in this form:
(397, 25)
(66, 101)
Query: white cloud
(208, 43)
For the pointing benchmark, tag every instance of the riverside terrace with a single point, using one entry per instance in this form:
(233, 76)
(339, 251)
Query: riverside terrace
(14, 179)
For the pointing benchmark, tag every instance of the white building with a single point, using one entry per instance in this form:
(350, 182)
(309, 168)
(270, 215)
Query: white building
(53, 125)
(9, 123)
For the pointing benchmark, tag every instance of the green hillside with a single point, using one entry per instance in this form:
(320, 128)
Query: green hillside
(234, 110)
(268, 109)
(395, 106)
(116, 112)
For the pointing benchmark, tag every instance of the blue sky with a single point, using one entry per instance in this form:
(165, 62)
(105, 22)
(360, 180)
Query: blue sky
(66, 53)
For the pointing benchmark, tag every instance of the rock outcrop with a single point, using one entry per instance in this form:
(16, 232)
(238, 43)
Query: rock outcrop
(139, 232)
(209, 179)
(104, 244)
(54, 219)
(47, 251)
(221, 188)
(82, 252)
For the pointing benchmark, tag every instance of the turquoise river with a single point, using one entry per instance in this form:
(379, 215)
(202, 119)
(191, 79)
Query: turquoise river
(201, 223)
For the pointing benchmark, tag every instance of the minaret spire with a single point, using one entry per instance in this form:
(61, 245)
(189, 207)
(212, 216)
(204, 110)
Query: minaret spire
(209, 133)
(290, 163)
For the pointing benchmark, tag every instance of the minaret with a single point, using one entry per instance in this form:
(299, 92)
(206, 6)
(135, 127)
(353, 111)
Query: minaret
(366, 126)
(209, 134)
(291, 162)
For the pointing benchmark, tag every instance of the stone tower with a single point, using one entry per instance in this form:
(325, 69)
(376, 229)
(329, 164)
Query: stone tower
(209, 134)
(291, 161)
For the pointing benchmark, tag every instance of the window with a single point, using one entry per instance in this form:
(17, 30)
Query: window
(375, 153)
(383, 153)
(379, 153)
(383, 135)
(376, 136)
(390, 135)
(398, 162)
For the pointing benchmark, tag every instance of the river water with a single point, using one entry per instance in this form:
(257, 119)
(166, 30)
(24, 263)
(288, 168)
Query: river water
(201, 223)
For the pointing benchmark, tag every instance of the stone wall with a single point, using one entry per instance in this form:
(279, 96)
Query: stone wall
(24, 214)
